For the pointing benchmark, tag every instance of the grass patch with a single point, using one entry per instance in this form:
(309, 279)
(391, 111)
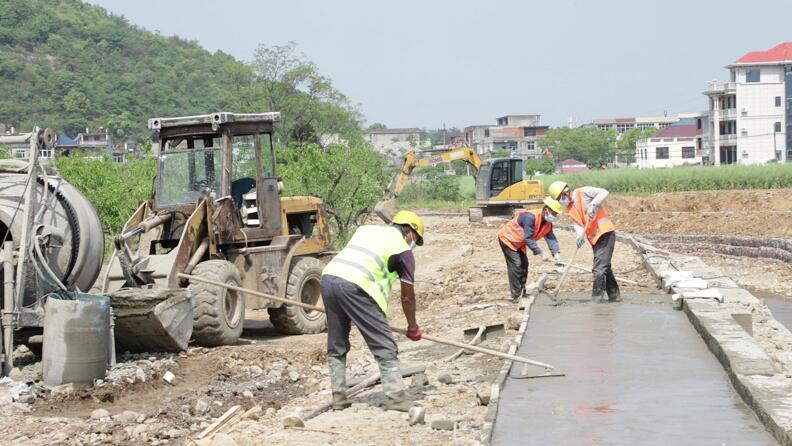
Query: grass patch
(681, 179)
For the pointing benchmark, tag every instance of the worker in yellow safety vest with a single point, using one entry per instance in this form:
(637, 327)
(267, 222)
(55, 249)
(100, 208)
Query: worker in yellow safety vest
(593, 225)
(522, 232)
(356, 285)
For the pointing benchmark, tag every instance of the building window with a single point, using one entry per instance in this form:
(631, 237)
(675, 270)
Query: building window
(661, 153)
(531, 146)
(752, 75)
(688, 152)
(698, 123)
(728, 154)
(664, 124)
(45, 153)
(529, 131)
(622, 128)
(777, 127)
(778, 101)
(733, 76)
(20, 153)
(486, 133)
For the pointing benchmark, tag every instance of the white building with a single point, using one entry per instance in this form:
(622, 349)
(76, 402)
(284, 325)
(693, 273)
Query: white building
(673, 146)
(395, 142)
(747, 122)
(516, 133)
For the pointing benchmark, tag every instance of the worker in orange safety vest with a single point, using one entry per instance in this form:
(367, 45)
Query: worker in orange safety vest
(593, 225)
(521, 233)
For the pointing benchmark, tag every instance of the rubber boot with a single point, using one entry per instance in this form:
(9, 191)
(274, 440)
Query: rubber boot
(598, 289)
(393, 386)
(338, 382)
(612, 288)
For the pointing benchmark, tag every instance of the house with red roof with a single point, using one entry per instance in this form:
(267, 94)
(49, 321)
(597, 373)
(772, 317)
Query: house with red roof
(746, 122)
(673, 146)
(572, 166)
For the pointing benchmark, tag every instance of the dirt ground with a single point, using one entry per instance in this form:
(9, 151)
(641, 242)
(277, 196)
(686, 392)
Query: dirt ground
(765, 213)
(461, 283)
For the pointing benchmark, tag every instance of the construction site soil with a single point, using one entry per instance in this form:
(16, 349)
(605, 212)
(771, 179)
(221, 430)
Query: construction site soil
(461, 283)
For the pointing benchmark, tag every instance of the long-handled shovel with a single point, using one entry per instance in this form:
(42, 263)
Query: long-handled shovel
(403, 331)
(569, 265)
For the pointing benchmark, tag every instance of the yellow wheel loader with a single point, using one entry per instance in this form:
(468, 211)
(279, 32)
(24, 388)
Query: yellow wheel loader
(500, 187)
(218, 213)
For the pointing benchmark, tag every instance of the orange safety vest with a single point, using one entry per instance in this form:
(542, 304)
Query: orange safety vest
(511, 234)
(601, 224)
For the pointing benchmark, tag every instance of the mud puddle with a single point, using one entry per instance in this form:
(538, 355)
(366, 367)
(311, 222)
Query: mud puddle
(780, 306)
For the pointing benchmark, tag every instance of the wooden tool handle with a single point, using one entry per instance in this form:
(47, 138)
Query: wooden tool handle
(474, 348)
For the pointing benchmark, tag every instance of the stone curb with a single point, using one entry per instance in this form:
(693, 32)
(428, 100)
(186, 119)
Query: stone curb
(751, 371)
(497, 385)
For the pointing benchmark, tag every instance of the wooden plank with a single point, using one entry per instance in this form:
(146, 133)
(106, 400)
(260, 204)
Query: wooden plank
(406, 372)
(218, 423)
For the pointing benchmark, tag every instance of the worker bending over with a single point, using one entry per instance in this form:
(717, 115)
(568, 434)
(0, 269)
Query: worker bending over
(355, 289)
(585, 205)
(521, 233)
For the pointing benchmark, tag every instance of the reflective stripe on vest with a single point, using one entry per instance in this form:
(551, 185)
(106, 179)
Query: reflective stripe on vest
(511, 233)
(601, 224)
(364, 261)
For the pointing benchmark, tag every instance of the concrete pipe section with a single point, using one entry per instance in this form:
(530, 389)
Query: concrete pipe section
(636, 373)
(78, 259)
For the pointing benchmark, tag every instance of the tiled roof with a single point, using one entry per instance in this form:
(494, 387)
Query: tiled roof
(779, 53)
(677, 131)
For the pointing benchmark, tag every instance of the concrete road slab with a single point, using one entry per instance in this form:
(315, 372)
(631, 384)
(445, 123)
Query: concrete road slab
(637, 373)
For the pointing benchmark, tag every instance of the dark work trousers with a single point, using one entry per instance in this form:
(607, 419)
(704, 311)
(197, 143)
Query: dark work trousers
(604, 279)
(517, 269)
(346, 303)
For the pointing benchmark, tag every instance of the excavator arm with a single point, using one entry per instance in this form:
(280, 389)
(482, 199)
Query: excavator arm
(386, 208)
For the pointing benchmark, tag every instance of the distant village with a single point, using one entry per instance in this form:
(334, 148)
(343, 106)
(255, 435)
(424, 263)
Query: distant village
(93, 144)
(745, 123)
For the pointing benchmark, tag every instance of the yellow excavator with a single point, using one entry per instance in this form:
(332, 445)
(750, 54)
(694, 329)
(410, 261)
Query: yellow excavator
(500, 187)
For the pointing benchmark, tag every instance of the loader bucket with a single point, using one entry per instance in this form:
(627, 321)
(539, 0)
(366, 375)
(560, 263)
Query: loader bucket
(152, 320)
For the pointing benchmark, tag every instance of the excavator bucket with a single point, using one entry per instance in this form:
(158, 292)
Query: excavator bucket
(152, 320)
(386, 209)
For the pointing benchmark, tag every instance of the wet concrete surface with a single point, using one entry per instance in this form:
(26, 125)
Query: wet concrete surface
(636, 373)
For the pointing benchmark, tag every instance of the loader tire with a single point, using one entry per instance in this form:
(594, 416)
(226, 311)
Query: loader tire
(305, 276)
(218, 313)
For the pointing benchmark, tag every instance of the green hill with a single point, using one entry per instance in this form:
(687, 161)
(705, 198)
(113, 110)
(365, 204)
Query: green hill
(67, 65)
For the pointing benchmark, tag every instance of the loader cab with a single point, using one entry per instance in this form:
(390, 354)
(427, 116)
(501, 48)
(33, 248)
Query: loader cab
(497, 174)
(218, 155)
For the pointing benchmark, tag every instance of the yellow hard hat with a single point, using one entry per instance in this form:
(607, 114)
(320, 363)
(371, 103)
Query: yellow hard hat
(556, 188)
(553, 204)
(412, 220)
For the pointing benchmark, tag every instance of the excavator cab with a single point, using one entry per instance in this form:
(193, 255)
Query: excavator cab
(496, 175)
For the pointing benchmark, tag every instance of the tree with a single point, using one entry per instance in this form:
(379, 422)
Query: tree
(377, 126)
(590, 145)
(536, 165)
(626, 144)
(350, 177)
(310, 105)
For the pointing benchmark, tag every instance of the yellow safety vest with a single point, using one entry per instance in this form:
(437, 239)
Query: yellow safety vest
(364, 261)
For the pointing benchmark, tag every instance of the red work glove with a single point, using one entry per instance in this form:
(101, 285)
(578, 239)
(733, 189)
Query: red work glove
(414, 333)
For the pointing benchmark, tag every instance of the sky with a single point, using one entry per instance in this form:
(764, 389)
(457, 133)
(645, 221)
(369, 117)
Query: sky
(429, 63)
